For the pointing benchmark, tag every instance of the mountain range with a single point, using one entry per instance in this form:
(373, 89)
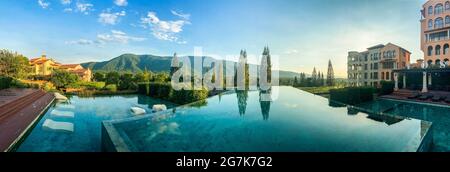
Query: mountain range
(138, 63)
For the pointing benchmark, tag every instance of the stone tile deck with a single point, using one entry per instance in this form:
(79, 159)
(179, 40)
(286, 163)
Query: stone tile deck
(19, 109)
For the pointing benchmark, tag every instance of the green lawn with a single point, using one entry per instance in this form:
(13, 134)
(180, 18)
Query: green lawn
(318, 90)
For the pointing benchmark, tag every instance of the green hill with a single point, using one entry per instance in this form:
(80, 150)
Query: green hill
(138, 63)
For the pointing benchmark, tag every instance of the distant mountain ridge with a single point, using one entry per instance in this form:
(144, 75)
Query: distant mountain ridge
(138, 63)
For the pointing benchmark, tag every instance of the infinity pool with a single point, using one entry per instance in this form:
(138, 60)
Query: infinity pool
(239, 122)
(86, 115)
(439, 115)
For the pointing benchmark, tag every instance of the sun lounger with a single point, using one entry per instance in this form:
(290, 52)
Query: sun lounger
(447, 100)
(414, 96)
(438, 98)
(63, 114)
(425, 96)
(138, 111)
(57, 126)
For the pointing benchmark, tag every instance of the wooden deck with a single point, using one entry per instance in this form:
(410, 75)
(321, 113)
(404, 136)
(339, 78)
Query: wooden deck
(19, 109)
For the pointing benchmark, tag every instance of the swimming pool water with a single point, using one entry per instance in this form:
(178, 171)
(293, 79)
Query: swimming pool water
(295, 122)
(86, 115)
(439, 115)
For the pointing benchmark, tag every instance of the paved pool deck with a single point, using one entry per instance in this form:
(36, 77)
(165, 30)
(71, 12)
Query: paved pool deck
(19, 110)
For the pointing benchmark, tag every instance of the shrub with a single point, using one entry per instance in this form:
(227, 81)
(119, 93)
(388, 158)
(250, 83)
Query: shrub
(5, 82)
(165, 91)
(188, 96)
(352, 95)
(387, 87)
(111, 87)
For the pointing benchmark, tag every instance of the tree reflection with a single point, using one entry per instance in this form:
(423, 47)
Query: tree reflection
(242, 96)
(265, 103)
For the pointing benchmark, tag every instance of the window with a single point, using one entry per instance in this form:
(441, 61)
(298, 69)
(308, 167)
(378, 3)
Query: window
(430, 62)
(375, 66)
(365, 75)
(387, 76)
(365, 66)
(393, 53)
(375, 75)
(430, 24)
(430, 10)
(438, 36)
(447, 5)
(438, 9)
(437, 62)
(430, 51)
(447, 20)
(438, 50)
(446, 47)
(438, 23)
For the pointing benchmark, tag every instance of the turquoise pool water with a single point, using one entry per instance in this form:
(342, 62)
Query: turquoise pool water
(440, 116)
(86, 115)
(239, 122)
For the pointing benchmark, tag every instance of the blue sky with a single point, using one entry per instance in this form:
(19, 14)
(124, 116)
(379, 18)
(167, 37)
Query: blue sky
(303, 33)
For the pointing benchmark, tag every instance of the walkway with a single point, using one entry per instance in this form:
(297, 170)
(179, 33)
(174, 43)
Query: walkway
(19, 108)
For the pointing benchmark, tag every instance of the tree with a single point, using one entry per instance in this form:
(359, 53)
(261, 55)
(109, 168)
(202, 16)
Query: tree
(330, 75)
(126, 82)
(266, 60)
(99, 77)
(295, 81)
(13, 64)
(61, 78)
(161, 77)
(112, 78)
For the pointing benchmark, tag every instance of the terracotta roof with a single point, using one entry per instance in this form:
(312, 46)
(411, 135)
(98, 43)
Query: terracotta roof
(70, 65)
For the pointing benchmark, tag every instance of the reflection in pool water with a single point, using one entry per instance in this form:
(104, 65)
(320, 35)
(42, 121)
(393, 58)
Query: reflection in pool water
(240, 122)
(440, 116)
(86, 115)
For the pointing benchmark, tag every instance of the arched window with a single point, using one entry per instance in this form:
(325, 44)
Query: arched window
(438, 50)
(387, 75)
(446, 47)
(437, 62)
(447, 5)
(447, 20)
(430, 10)
(430, 51)
(446, 62)
(382, 75)
(430, 24)
(430, 62)
(438, 9)
(439, 23)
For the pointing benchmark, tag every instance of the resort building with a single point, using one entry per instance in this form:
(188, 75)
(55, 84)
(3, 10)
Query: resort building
(43, 66)
(370, 67)
(433, 72)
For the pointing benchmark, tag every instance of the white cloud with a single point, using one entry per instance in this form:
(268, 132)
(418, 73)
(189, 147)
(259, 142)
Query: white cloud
(110, 18)
(293, 51)
(66, 2)
(117, 36)
(44, 4)
(84, 8)
(164, 30)
(114, 37)
(68, 10)
(121, 3)
(81, 42)
(182, 15)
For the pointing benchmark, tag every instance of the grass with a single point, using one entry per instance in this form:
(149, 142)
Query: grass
(318, 90)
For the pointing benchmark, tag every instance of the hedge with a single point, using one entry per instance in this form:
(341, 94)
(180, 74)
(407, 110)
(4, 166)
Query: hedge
(387, 87)
(111, 87)
(352, 95)
(165, 91)
(5, 82)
